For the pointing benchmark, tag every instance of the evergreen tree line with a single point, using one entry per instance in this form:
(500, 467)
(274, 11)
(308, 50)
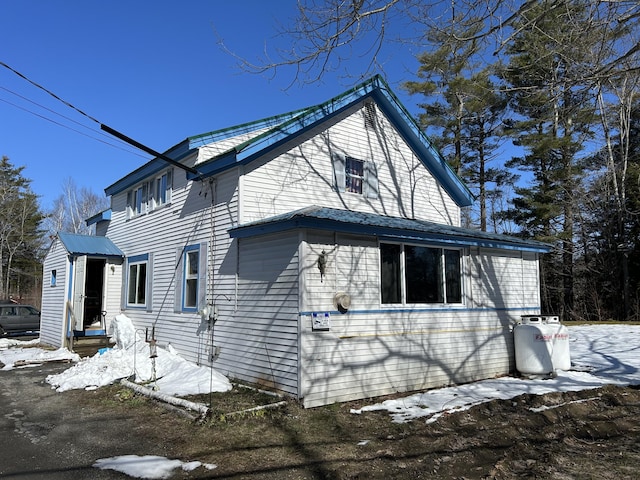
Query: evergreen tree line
(20, 236)
(26, 231)
(545, 131)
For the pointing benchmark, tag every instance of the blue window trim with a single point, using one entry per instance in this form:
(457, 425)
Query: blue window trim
(185, 263)
(136, 259)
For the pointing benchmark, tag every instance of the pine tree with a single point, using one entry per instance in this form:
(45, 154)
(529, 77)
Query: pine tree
(20, 237)
(465, 110)
(553, 108)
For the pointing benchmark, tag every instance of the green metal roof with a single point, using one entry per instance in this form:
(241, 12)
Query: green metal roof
(286, 127)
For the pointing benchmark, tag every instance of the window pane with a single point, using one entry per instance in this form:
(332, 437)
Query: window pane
(423, 270)
(142, 283)
(133, 269)
(390, 280)
(453, 276)
(137, 284)
(192, 268)
(354, 175)
(191, 292)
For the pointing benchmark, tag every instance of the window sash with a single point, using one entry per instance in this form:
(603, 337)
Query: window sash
(354, 175)
(150, 195)
(191, 277)
(137, 284)
(411, 274)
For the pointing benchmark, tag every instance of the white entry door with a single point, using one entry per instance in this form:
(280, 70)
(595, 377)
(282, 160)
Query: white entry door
(79, 275)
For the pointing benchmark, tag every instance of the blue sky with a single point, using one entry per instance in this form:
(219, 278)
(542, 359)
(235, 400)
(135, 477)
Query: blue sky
(152, 70)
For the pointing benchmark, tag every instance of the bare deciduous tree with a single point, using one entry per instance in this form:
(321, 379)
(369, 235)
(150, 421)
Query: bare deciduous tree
(72, 208)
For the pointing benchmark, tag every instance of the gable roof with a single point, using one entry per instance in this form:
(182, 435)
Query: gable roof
(383, 227)
(77, 244)
(273, 132)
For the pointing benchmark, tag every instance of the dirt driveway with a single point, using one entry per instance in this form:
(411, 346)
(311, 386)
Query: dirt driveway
(593, 434)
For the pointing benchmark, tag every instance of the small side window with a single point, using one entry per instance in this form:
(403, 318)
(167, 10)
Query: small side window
(54, 275)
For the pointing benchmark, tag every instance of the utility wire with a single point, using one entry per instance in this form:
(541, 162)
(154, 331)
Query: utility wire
(37, 85)
(66, 118)
(106, 128)
(52, 111)
(71, 128)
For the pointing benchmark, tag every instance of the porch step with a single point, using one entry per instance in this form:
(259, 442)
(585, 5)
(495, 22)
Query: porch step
(89, 346)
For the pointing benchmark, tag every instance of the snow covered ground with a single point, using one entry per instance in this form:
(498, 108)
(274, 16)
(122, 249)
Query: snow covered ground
(600, 355)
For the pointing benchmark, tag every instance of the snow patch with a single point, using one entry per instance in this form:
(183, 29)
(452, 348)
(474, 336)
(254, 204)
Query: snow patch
(169, 373)
(148, 466)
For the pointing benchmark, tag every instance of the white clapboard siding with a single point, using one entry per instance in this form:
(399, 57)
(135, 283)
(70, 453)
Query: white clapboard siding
(304, 176)
(187, 220)
(373, 351)
(378, 354)
(505, 279)
(262, 339)
(54, 297)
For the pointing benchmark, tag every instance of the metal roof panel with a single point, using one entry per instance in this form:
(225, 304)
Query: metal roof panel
(77, 244)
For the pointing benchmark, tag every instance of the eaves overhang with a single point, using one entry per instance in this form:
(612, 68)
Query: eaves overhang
(103, 216)
(299, 123)
(154, 166)
(385, 228)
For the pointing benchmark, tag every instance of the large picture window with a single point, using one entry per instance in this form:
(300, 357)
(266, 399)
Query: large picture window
(411, 274)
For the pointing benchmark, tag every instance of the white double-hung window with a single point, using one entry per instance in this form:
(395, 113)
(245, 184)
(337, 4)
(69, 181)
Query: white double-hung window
(150, 194)
(191, 277)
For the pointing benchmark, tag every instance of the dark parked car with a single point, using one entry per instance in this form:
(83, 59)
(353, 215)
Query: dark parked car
(16, 318)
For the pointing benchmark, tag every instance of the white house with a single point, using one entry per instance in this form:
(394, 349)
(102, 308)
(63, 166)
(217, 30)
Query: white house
(317, 252)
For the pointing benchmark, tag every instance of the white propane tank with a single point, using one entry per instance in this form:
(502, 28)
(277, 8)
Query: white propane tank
(542, 345)
(533, 345)
(560, 356)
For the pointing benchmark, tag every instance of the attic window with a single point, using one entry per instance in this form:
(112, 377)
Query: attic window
(370, 116)
(355, 176)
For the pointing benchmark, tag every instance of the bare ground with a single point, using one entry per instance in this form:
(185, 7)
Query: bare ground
(592, 434)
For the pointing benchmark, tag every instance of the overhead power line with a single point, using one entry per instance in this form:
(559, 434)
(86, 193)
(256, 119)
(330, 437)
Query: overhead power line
(71, 128)
(119, 147)
(104, 127)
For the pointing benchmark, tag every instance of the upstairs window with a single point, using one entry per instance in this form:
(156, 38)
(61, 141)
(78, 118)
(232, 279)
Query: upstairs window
(162, 194)
(355, 176)
(411, 274)
(137, 200)
(150, 195)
